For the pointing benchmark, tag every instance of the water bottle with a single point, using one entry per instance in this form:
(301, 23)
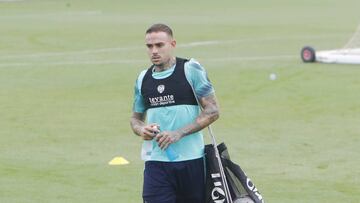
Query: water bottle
(170, 151)
(146, 150)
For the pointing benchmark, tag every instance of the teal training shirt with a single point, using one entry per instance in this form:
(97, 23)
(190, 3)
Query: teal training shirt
(171, 118)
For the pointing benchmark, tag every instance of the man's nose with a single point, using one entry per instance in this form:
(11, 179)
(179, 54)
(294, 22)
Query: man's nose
(154, 50)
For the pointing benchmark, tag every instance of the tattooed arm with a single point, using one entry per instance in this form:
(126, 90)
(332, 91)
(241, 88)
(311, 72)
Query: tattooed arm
(209, 114)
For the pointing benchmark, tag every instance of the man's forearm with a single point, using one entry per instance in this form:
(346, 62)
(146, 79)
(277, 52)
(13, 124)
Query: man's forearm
(209, 114)
(136, 124)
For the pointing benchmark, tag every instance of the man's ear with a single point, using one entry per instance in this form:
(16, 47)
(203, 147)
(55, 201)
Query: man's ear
(173, 43)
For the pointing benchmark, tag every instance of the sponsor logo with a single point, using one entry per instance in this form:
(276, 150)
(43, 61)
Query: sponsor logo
(252, 187)
(161, 88)
(162, 100)
(217, 193)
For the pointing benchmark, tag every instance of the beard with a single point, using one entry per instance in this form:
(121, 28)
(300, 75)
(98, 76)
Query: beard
(161, 64)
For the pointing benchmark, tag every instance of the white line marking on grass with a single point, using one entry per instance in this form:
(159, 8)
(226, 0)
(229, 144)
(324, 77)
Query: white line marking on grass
(9, 1)
(252, 58)
(124, 61)
(101, 50)
(85, 62)
(200, 43)
(50, 14)
(185, 45)
(70, 53)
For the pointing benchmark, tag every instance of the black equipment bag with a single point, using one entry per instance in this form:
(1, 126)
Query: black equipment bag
(241, 188)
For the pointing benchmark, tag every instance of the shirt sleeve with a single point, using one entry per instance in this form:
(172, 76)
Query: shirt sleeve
(138, 105)
(198, 79)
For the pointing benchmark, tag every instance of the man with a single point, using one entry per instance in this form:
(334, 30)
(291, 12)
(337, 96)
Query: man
(166, 115)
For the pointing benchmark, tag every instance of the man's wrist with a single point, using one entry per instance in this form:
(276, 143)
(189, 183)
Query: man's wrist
(138, 130)
(194, 127)
(182, 133)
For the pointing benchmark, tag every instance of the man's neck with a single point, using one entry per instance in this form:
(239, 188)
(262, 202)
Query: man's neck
(165, 66)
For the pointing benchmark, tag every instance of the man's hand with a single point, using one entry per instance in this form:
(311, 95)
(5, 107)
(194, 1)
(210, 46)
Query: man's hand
(166, 138)
(209, 114)
(146, 131)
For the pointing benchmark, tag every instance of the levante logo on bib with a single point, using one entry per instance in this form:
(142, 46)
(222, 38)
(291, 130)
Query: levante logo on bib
(162, 100)
(161, 88)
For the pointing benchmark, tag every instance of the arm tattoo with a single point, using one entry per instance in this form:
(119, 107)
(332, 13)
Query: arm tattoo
(210, 111)
(209, 114)
(136, 122)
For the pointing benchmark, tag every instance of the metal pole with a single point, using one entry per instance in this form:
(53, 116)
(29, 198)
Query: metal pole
(222, 173)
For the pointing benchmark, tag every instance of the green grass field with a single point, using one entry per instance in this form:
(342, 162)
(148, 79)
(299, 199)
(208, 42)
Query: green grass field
(67, 71)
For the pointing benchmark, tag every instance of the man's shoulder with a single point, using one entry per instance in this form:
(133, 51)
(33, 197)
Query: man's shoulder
(193, 64)
(140, 78)
(142, 74)
(193, 68)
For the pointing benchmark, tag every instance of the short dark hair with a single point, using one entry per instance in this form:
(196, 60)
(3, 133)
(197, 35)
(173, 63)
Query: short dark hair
(159, 27)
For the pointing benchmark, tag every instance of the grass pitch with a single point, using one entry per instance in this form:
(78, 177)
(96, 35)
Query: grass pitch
(67, 70)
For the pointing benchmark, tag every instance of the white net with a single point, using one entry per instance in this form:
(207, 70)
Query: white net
(354, 42)
(349, 54)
